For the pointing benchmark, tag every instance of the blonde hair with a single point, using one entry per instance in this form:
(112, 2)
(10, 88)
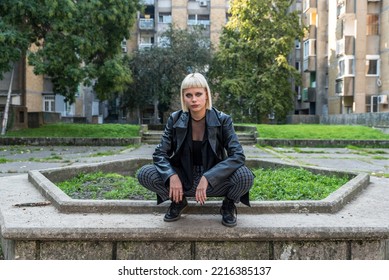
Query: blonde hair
(195, 80)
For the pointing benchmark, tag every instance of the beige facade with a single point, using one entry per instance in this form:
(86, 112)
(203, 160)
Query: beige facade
(345, 57)
(210, 15)
(34, 90)
(33, 93)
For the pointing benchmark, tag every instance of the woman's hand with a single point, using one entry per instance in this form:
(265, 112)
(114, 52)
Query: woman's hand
(201, 190)
(175, 190)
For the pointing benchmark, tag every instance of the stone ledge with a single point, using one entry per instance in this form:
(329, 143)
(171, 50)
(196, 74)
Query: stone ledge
(197, 250)
(213, 233)
(44, 181)
(69, 141)
(358, 231)
(315, 143)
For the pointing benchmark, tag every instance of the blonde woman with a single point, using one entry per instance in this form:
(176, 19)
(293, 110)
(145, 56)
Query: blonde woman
(199, 156)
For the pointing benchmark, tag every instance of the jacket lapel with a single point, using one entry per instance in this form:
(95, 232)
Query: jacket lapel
(213, 125)
(181, 127)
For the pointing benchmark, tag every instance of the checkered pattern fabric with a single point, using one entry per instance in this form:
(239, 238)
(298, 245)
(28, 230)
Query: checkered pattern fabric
(238, 184)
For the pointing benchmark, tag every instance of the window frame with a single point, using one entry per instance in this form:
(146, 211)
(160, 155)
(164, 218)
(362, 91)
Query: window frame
(347, 72)
(372, 24)
(377, 67)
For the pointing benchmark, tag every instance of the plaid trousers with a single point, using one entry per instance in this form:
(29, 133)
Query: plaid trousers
(237, 185)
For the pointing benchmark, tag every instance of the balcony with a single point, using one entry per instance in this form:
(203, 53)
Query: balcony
(345, 86)
(345, 46)
(312, 94)
(309, 6)
(309, 64)
(312, 32)
(309, 95)
(198, 22)
(144, 46)
(346, 8)
(146, 23)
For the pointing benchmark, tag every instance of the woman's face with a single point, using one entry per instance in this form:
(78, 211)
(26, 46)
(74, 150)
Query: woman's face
(195, 99)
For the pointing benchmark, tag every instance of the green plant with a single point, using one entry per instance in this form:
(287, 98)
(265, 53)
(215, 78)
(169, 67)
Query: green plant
(269, 184)
(319, 131)
(79, 130)
(4, 160)
(293, 184)
(101, 185)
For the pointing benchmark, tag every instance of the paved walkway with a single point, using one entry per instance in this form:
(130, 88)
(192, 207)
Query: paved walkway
(20, 159)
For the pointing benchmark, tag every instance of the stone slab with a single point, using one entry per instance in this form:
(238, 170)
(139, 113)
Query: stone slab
(169, 250)
(357, 220)
(250, 250)
(308, 250)
(44, 181)
(75, 250)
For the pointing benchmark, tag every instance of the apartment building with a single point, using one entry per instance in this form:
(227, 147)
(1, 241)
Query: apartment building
(157, 16)
(209, 16)
(344, 57)
(33, 101)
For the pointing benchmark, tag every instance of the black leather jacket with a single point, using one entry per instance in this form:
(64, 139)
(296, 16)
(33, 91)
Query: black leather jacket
(221, 155)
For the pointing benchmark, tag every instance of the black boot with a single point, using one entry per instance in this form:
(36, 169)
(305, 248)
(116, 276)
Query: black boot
(175, 210)
(229, 213)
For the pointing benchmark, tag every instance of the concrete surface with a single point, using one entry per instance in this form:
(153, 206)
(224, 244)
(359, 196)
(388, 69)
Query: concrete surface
(358, 231)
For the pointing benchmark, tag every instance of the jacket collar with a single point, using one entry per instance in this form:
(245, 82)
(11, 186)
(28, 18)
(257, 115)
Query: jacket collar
(211, 119)
(212, 123)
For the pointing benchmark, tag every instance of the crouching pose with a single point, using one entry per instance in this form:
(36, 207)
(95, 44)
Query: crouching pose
(199, 156)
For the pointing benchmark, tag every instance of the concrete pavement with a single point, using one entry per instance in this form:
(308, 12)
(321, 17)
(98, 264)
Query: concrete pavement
(366, 218)
(20, 159)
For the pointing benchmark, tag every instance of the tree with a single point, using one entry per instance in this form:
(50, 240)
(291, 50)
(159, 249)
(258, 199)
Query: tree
(73, 42)
(158, 71)
(251, 71)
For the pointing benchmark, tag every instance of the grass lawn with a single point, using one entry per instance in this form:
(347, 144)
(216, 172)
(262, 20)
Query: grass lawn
(79, 130)
(318, 131)
(269, 184)
(299, 131)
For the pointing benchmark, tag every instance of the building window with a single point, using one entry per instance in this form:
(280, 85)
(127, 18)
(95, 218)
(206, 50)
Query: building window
(346, 66)
(165, 18)
(309, 48)
(198, 20)
(297, 44)
(21, 116)
(339, 86)
(146, 42)
(312, 19)
(297, 66)
(372, 22)
(163, 41)
(49, 103)
(372, 65)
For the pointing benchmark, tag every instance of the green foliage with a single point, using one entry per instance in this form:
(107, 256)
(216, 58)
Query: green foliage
(250, 71)
(12, 43)
(101, 185)
(76, 41)
(3, 160)
(319, 131)
(158, 71)
(293, 184)
(79, 130)
(269, 184)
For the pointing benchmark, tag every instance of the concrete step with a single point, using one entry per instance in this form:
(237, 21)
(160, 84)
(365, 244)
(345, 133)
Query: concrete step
(154, 137)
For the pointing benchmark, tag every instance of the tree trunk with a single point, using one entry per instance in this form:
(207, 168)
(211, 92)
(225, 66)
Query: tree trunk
(6, 109)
